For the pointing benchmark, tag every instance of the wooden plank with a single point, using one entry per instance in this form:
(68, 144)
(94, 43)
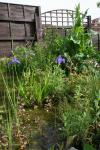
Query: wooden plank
(29, 12)
(3, 10)
(5, 49)
(10, 29)
(25, 22)
(18, 30)
(4, 29)
(18, 44)
(16, 38)
(30, 29)
(16, 11)
(7, 19)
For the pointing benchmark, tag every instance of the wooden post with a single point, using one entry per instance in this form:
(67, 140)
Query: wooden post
(38, 24)
(88, 22)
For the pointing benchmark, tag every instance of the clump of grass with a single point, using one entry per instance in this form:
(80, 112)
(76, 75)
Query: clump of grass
(37, 85)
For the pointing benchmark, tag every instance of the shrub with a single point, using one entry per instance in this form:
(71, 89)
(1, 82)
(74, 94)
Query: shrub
(82, 106)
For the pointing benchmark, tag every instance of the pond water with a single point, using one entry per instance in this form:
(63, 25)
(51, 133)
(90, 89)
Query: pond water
(37, 125)
(42, 128)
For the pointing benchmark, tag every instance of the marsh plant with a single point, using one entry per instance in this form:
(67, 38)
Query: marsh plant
(11, 135)
(38, 85)
(10, 107)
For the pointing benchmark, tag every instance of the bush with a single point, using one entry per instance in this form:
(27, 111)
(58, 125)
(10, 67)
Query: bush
(82, 106)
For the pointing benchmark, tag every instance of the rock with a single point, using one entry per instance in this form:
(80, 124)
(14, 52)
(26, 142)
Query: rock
(72, 148)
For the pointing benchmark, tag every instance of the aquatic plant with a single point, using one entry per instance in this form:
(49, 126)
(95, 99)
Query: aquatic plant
(37, 85)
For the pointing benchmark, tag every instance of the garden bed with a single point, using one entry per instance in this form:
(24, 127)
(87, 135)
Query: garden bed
(51, 94)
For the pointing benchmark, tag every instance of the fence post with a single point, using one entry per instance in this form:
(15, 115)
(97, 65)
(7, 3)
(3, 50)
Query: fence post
(38, 24)
(88, 22)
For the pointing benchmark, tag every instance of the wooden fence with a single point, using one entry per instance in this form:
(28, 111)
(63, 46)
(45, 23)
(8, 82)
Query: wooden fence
(96, 37)
(18, 25)
(96, 41)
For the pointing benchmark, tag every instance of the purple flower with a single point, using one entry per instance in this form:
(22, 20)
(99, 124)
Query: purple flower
(60, 60)
(14, 60)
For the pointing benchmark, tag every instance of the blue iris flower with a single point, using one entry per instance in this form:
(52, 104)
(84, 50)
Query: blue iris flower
(14, 60)
(60, 60)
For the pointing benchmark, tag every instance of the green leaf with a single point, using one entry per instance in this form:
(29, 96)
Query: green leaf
(88, 147)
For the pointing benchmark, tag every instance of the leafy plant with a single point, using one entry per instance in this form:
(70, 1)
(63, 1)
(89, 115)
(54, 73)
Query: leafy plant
(37, 85)
(74, 121)
(88, 147)
(81, 109)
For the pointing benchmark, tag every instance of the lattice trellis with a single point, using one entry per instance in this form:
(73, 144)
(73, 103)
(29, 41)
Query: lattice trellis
(59, 18)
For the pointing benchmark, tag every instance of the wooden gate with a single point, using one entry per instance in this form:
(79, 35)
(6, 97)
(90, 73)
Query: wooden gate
(18, 24)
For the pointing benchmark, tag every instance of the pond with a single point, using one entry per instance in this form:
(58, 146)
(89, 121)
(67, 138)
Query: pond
(37, 125)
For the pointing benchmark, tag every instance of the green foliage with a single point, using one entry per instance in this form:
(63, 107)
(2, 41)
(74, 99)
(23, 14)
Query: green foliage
(10, 104)
(78, 42)
(60, 147)
(88, 147)
(37, 85)
(82, 106)
(77, 45)
(74, 121)
(54, 42)
(25, 56)
(95, 96)
(42, 57)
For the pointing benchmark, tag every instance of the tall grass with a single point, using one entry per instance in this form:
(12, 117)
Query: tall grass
(37, 85)
(11, 106)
